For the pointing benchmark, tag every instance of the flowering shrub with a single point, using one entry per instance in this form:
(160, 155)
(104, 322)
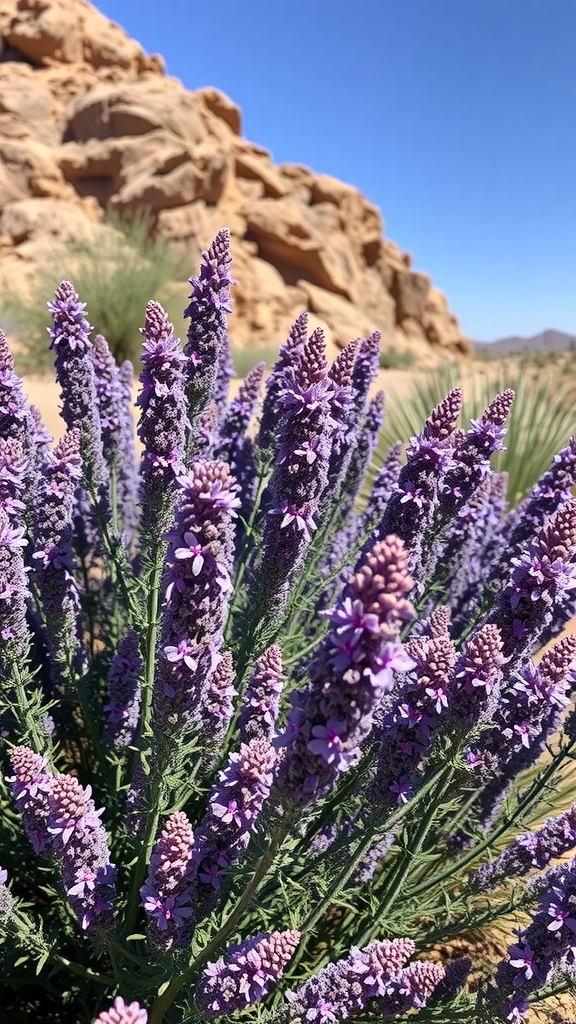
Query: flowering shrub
(270, 746)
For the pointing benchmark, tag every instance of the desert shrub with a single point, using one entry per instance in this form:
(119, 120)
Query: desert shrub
(116, 272)
(245, 358)
(265, 753)
(541, 419)
(392, 359)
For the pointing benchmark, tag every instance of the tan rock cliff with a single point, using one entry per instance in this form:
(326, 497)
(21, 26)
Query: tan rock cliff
(89, 121)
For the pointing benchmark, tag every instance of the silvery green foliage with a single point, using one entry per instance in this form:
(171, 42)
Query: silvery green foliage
(271, 737)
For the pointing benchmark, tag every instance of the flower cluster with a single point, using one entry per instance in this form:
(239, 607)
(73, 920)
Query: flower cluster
(320, 695)
(246, 974)
(352, 671)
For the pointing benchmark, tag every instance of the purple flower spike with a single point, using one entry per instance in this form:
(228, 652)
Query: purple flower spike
(81, 844)
(350, 674)
(17, 421)
(300, 474)
(442, 421)
(14, 469)
(246, 974)
(365, 369)
(14, 595)
(384, 486)
(124, 694)
(529, 852)
(53, 560)
(478, 677)
(109, 396)
(408, 726)
(209, 303)
(288, 358)
(362, 451)
(233, 812)
(163, 419)
(414, 500)
(127, 476)
(541, 586)
(344, 988)
(411, 988)
(218, 701)
(199, 563)
(541, 948)
(6, 901)
(260, 706)
(122, 1013)
(234, 445)
(167, 893)
(239, 414)
(70, 339)
(31, 785)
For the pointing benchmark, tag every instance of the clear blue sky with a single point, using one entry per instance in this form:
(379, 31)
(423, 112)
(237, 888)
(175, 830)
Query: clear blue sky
(457, 117)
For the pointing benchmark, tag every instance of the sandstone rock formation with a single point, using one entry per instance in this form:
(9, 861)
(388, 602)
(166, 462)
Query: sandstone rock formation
(89, 121)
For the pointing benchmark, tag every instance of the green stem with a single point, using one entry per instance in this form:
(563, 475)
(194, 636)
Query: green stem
(38, 741)
(500, 830)
(401, 869)
(83, 972)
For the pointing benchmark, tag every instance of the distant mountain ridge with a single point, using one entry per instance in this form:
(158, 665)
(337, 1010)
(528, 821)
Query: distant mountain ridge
(546, 341)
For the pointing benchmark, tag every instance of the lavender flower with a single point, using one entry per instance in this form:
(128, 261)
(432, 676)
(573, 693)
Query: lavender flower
(109, 398)
(541, 947)
(411, 988)
(122, 1013)
(409, 725)
(349, 675)
(234, 446)
(527, 712)
(300, 474)
(411, 509)
(126, 476)
(478, 678)
(31, 785)
(246, 974)
(344, 988)
(218, 701)
(225, 373)
(472, 453)
(123, 704)
(209, 303)
(541, 583)
(75, 374)
(552, 489)
(260, 705)
(345, 416)
(162, 426)
(384, 485)
(81, 844)
(13, 473)
(365, 370)
(167, 895)
(530, 851)
(239, 414)
(233, 812)
(199, 562)
(6, 901)
(362, 451)
(14, 639)
(53, 558)
(288, 358)
(17, 421)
